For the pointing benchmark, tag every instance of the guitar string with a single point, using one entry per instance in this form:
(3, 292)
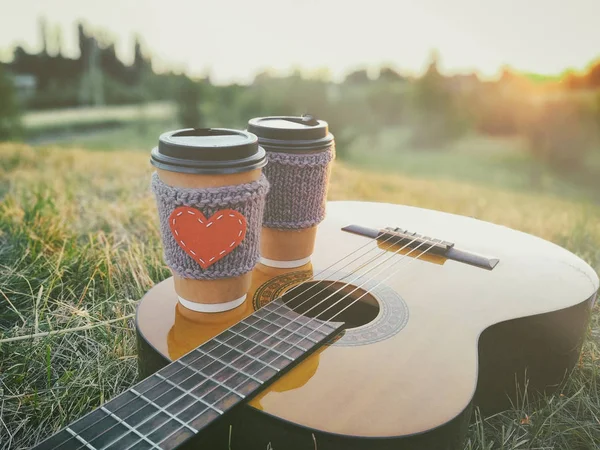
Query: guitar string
(324, 323)
(362, 295)
(272, 335)
(241, 355)
(191, 362)
(257, 344)
(362, 247)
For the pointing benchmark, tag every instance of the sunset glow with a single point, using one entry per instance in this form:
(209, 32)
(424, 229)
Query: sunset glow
(235, 39)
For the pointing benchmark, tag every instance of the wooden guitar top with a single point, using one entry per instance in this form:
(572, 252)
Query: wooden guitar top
(421, 374)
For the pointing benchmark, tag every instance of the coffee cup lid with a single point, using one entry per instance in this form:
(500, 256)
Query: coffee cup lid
(291, 133)
(208, 151)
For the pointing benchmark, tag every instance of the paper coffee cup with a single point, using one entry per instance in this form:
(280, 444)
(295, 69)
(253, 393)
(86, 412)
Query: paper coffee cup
(198, 164)
(299, 151)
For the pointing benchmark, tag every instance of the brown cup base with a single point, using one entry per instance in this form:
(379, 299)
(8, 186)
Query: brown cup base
(222, 290)
(287, 245)
(190, 325)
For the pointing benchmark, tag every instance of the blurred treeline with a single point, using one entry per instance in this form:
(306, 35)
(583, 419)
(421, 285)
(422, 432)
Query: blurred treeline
(561, 125)
(559, 119)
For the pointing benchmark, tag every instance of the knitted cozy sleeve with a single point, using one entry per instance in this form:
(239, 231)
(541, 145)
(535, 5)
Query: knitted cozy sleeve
(248, 199)
(298, 191)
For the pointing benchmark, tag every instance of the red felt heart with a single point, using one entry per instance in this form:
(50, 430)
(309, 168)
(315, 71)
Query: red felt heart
(207, 240)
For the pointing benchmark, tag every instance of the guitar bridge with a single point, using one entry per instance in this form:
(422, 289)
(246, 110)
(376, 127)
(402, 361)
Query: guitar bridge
(399, 236)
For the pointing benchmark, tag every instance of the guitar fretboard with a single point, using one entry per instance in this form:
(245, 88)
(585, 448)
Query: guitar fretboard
(173, 405)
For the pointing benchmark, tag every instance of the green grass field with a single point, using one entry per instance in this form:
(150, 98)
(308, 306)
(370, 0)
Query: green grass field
(79, 245)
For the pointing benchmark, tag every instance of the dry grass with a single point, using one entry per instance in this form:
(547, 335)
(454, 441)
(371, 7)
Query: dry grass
(79, 245)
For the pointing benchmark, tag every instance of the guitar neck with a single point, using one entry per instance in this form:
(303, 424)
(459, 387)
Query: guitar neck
(179, 401)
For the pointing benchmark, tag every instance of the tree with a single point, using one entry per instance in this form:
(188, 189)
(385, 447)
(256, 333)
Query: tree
(561, 133)
(389, 74)
(593, 76)
(188, 104)
(10, 113)
(359, 76)
(437, 117)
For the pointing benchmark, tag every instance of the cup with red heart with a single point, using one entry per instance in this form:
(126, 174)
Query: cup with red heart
(210, 194)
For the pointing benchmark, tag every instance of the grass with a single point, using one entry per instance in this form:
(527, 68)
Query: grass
(141, 136)
(501, 162)
(49, 119)
(79, 245)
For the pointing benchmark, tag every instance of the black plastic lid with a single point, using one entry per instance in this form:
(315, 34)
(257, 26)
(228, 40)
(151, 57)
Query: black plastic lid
(290, 133)
(208, 151)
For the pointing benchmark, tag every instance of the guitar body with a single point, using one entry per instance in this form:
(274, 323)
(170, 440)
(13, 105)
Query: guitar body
(430, 338)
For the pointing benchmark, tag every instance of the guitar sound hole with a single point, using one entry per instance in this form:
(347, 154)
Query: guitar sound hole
(333, 300)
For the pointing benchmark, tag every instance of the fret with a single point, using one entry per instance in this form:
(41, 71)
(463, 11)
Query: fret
(152, 423)
(133, 429)
(157, 390)
(224, 374)
(266, 373)
(162, 409)
(80, 439)
(281, 351)
(221, 376)
(285, 313)
(222, 398)
(241, 362)
(219, 350)
(237, 380)
(257, 350)
(165, 420)
(102, 433)
(175, 439)
(271, 311)
(253, 318)
(194, 380)
(203, 418)
(254, 367)
(232, 354)
(141, 445)
(147, 383)
(269, 356)
(126, 441)
(270, 337)
(212, 368)
(93, 418)
(193, 361)
(166, 430)
(160, 426)
(253, 351)
(192, 411)
(300, 330)
(167, 408)
(99, 428)
(178, 372)
(198, 398)
(178, 405)
(281, 362)
(248, 332)
(139, 416)
(249, 386)
(288, 349)
(207, 346)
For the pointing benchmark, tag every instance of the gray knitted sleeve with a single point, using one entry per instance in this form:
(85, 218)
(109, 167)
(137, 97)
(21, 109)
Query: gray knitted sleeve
(298, 192)
(248, 199)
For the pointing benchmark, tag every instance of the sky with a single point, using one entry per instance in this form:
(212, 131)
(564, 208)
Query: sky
(233, 40)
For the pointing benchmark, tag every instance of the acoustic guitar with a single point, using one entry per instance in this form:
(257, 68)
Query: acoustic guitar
(404, 320)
